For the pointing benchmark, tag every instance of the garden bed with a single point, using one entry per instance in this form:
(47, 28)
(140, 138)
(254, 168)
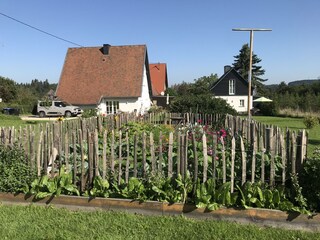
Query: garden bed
(264, 217)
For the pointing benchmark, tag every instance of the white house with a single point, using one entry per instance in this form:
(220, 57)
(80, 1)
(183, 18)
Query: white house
(110, 78)
(232, 87)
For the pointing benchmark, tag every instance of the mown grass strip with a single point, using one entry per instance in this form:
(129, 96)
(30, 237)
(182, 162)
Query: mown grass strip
(36, 222)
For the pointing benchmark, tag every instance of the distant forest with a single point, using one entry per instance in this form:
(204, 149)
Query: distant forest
(23, 95)
(302, 95)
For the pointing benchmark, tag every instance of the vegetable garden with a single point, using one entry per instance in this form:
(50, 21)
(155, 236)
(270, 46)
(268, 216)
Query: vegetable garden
(207, 160)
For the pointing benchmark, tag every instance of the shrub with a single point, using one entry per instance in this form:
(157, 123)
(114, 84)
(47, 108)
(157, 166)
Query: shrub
(310, 122)
(87, 113)
(15, 172)
(268, 109)
(309, 180)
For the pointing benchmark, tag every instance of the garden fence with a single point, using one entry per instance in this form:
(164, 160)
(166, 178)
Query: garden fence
(237, 150)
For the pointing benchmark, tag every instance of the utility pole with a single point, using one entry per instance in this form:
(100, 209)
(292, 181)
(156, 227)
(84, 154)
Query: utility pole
(251, 30)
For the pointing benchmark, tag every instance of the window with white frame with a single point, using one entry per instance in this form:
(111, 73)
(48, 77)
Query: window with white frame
(231, 87)
(112, 107)
(241, 102)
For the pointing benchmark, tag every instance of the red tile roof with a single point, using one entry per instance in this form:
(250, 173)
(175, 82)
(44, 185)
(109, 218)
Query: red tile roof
(159, 79)
(88, 74)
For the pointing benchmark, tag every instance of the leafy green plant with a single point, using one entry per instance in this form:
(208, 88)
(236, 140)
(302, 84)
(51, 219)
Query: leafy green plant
(205, 193)
(163, 189)
(60, 184)
(310, 121)
(15, 172)
(184, 185)
(259, 195)
(100, 187)
(309, 180)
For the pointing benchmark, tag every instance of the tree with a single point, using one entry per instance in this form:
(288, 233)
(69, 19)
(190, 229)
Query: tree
(197, 98)
(8, 89)
(241, 65)
(203, 103)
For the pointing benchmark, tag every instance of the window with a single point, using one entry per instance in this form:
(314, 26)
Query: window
(45, 104)
(112, 107)
(241, 103)
(231, 87)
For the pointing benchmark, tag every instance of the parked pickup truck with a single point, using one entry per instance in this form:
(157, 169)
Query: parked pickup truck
(57, 108)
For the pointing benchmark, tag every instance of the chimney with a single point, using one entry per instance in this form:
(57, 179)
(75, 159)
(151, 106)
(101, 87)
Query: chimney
(227, 68)
(105, 49)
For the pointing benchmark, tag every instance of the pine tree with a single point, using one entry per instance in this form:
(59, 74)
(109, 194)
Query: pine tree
(241, 64)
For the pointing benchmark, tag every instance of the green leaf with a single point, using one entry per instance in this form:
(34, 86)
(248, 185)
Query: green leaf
(41, 195)
(213, 206)
(201, 205)
(276, 197)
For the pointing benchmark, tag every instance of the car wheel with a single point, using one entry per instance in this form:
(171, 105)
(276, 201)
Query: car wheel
(67, 114)
(42, 114)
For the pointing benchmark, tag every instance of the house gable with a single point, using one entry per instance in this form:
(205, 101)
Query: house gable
(159, 78)
(221, 86)
(90, 74)
(233, 88)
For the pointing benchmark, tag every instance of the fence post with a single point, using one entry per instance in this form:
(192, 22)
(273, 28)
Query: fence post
(128, 158)
(144, 154)
(244, 162)
(254, 150)
(195, 162)
(205, 157)
(170, 154)
(135, 155)
(104, 155)
(182, 156)
(112, 153)
(293, 153)
(233, 155)
(283, 158)
(262, 151)
(224, 171)
(39, 155)
(272, 163)
(214, 154)
(82, 181)
(74, 138)
(153, 158)
(120, 158)
(160, 153)
(178, 153)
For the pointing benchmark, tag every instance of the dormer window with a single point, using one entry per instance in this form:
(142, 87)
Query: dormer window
(231, 87)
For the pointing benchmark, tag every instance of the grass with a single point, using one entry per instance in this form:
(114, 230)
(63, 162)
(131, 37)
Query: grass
(13, 121)
(37, 222)
(294, 124)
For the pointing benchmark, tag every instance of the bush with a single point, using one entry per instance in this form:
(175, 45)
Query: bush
(15, 172)
(309, 180)
(310, 122)
(268, 109)
(87, 113)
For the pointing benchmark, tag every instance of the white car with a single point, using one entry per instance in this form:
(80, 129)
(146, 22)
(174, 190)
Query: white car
(57, 108)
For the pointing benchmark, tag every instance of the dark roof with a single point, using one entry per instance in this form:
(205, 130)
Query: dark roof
(90, 73)
(159, 79)
(227, 73)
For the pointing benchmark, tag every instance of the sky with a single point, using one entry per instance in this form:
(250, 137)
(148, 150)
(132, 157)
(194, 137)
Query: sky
(194, 38)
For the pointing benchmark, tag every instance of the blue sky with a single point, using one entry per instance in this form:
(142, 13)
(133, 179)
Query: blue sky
(194, 38)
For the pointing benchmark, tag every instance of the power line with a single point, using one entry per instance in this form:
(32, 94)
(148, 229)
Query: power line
(28, 25)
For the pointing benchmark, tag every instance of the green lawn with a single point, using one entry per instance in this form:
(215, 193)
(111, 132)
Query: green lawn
(12, 121)
(34, 222)
(294, 124)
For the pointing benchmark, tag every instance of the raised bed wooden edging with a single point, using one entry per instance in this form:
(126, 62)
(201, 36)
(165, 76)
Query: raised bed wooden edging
(265, 217)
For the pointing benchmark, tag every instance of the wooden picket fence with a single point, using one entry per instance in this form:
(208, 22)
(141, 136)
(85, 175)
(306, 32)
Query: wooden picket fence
(99, 147)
